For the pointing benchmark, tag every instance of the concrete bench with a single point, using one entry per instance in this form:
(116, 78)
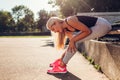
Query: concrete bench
(105, 54)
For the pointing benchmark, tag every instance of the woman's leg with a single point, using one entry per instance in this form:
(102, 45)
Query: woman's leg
(68, 55)
(100, 29)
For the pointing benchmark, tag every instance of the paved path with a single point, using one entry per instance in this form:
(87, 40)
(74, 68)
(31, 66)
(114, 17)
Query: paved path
(29, 58)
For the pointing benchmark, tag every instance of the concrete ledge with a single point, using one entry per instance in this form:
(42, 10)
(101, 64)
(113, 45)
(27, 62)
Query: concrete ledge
(106, 54)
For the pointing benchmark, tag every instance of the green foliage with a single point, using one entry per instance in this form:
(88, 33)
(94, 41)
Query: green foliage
(72, 7)
(43, 17)
(91, 60)
(6, 21)
(97, 66)
(84, 54)
(24, 18)
(105, 5)
(18, 11)
(21, 11)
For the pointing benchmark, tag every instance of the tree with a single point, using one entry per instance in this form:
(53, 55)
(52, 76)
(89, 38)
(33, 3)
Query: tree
(43, 17)
(18, 12)
(24, 18)
(6, 21)
(105, 5)
(29, 20)
(72, 7)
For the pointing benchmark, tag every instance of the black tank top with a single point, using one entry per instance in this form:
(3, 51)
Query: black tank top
(89, 21)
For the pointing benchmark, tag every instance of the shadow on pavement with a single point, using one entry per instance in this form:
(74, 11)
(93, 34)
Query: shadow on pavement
(67, 76)
(48, 43)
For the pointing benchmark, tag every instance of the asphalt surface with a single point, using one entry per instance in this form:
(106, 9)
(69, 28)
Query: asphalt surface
(29, 58)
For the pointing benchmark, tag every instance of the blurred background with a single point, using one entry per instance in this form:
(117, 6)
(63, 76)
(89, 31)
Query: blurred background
(24, 17)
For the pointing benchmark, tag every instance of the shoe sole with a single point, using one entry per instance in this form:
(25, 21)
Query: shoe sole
(56, 72)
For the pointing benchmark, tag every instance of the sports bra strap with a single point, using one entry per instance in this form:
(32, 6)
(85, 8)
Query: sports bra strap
(76, 30)
(67, 23)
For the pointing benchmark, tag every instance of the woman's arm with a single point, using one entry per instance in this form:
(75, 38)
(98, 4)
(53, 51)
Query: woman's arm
(85, 31)
(69, 34)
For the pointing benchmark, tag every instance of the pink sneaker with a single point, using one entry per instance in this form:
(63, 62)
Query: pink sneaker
(57, 69)
(57, 62)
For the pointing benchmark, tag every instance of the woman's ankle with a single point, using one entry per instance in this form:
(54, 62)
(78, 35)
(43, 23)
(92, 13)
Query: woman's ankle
(62, 64)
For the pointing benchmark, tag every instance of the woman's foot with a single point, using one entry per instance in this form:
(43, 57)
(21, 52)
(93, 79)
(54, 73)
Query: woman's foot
(57, 69)
(57, 62)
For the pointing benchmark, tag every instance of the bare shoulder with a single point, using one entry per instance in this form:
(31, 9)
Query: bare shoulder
(72, 19)
(74, 22)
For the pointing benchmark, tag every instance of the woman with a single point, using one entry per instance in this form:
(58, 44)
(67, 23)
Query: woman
(77, 29)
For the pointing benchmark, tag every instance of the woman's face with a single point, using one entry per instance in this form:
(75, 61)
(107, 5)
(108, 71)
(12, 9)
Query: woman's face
(56, 27)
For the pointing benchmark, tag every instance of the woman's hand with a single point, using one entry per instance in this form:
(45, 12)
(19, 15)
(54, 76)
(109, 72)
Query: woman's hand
(72, 47)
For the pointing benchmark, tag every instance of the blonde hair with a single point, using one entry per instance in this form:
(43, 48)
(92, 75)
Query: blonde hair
(59, 38)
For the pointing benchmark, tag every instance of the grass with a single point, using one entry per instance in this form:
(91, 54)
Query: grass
(96, 66)
(24, 36)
